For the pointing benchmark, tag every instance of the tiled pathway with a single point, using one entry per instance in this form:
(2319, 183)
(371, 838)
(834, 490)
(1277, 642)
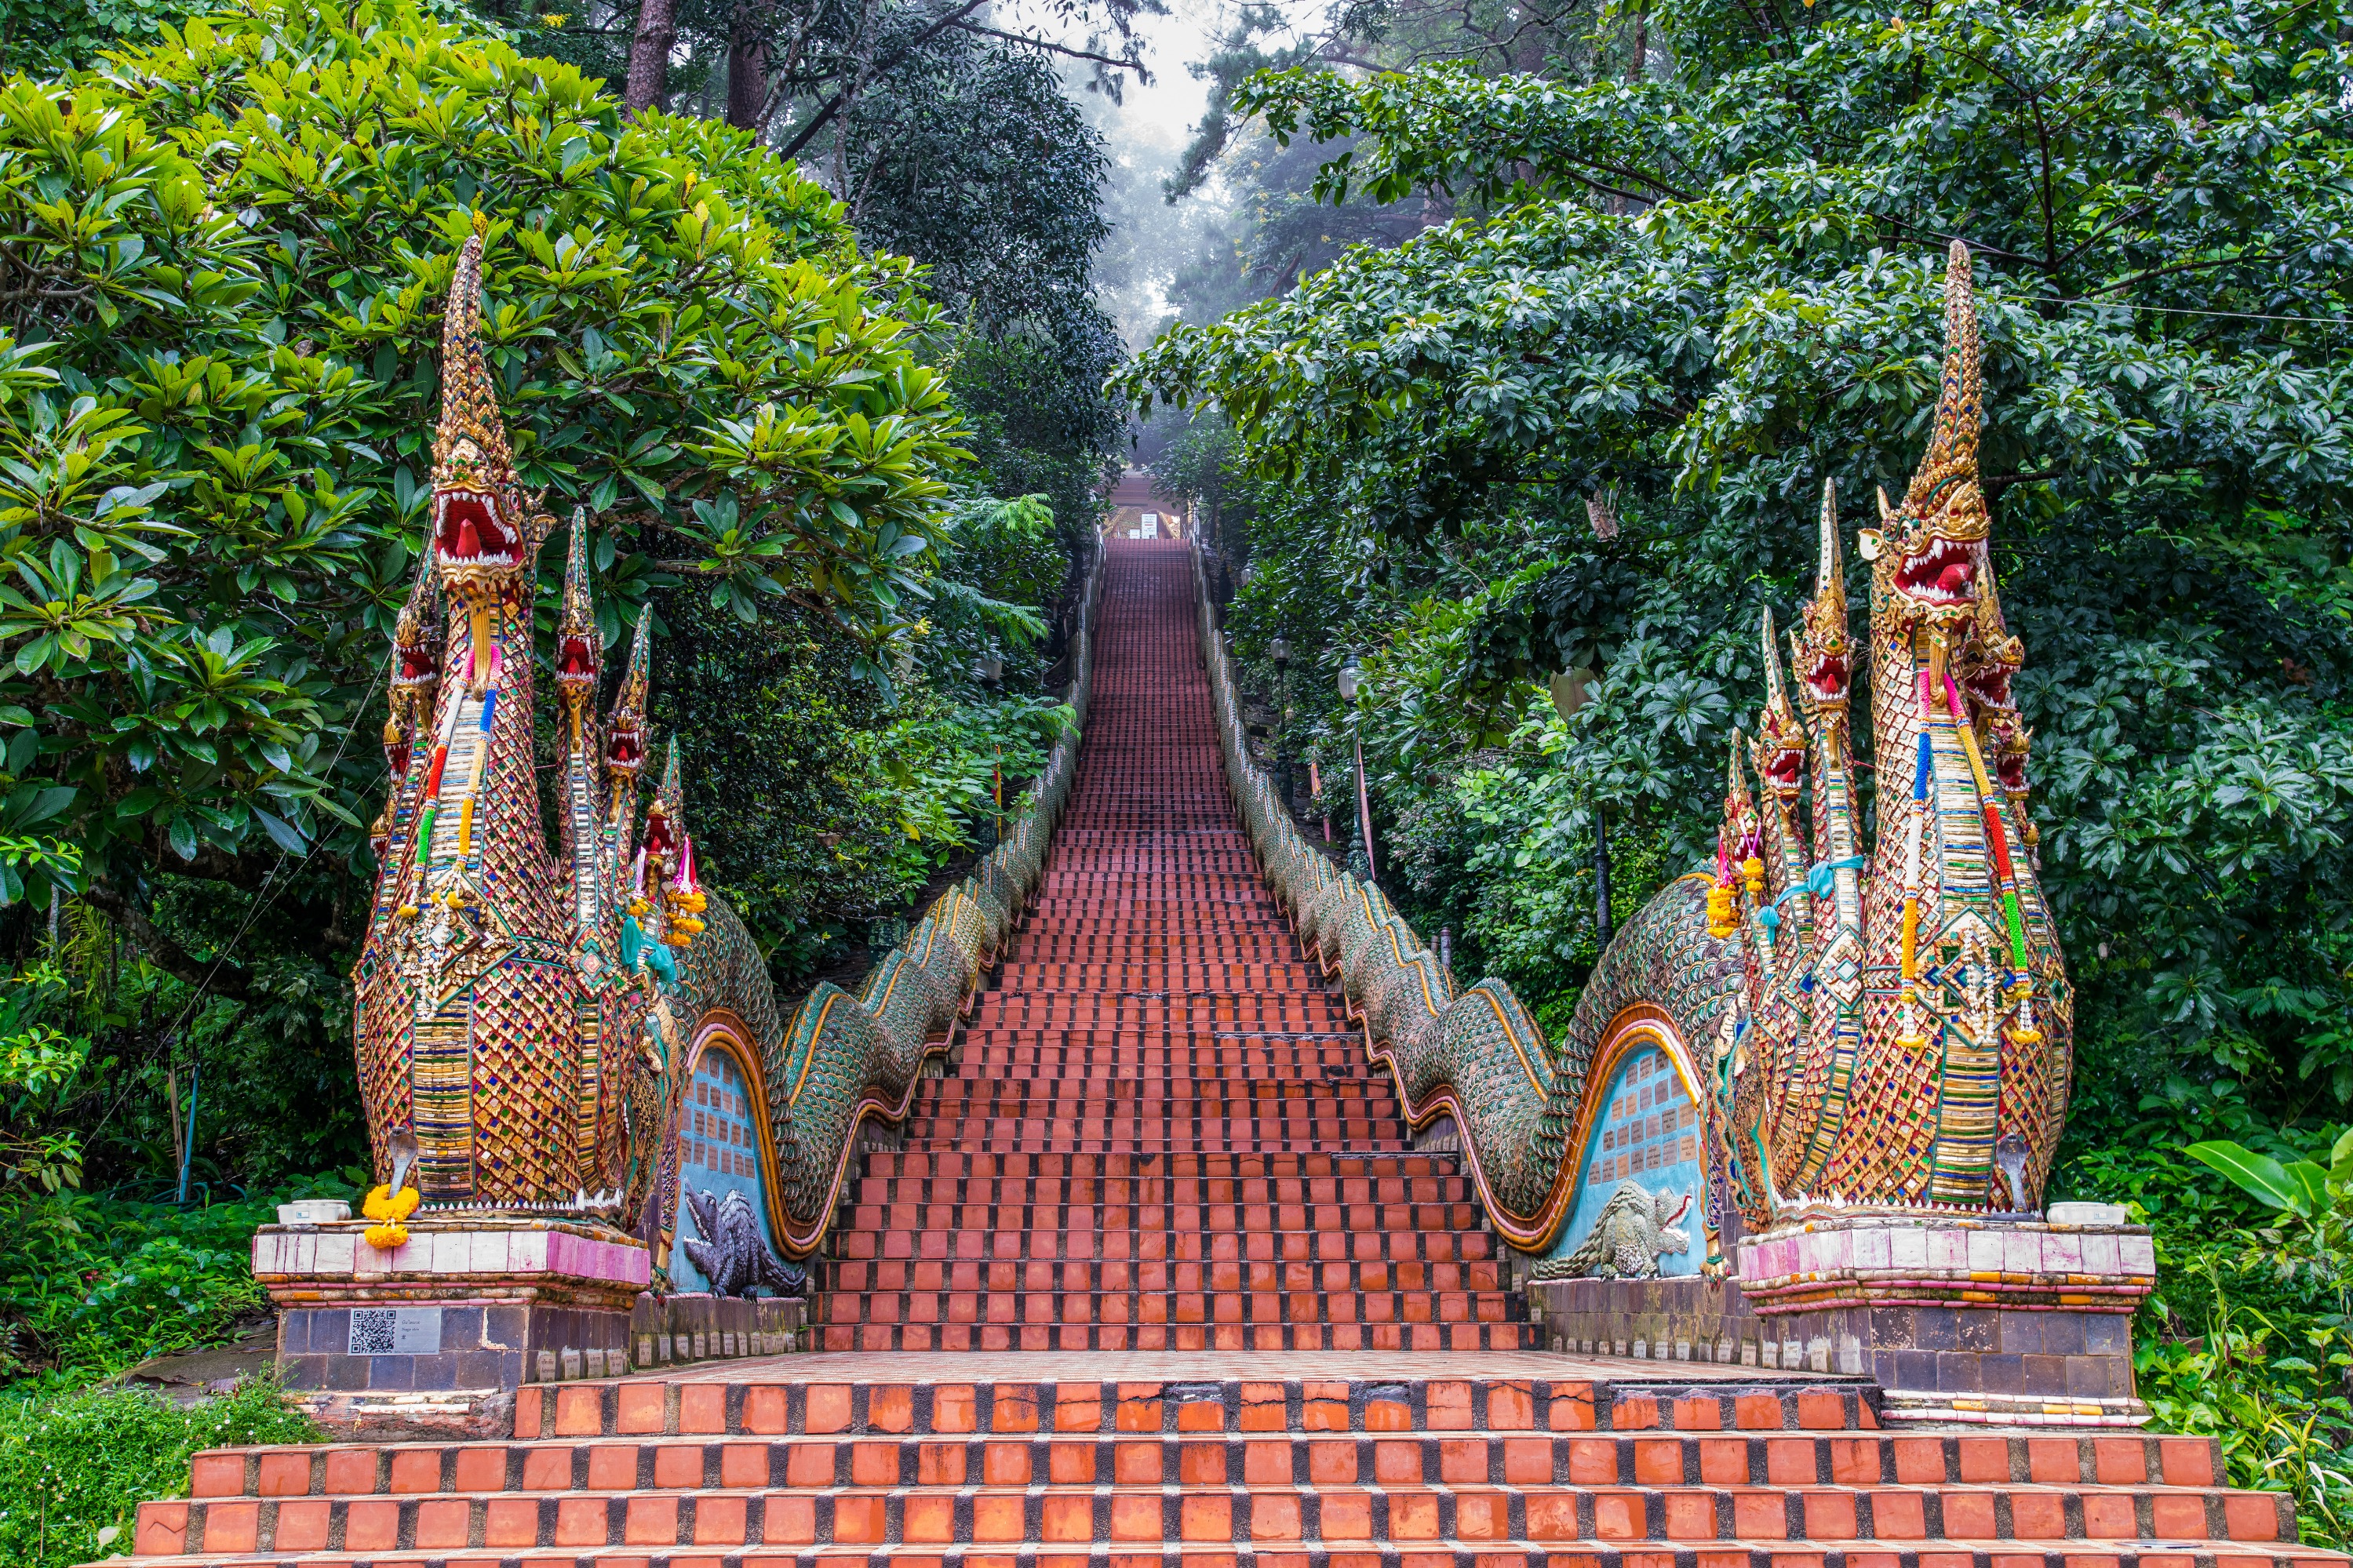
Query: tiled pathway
(1159, 1132)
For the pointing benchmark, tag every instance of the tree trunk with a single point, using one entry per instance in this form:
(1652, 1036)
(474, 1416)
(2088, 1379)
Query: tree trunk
(649, 84)
(747, 71)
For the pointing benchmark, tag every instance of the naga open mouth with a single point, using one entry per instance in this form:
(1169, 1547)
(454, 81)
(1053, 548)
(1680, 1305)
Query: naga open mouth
(2012, 770)
(1826, 677)
(626, 752)
(418, 666)
(1783, 770)
(659, 839)
(1944, 576)
(1990, 687)
(469, 540)
(575, 665)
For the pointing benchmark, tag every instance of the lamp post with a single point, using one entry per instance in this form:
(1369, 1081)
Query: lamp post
(1352, 677)
(1569, 690)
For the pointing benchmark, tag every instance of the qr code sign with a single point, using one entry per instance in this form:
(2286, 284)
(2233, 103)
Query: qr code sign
(395, 1330)
(372, 1329)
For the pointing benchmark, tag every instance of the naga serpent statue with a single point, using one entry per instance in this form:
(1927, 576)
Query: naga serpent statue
(529, 1025)
(1883, 1029)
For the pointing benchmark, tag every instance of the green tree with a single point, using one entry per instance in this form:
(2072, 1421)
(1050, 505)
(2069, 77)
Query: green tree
(228, 253)
(975, 162)
(1678, 303)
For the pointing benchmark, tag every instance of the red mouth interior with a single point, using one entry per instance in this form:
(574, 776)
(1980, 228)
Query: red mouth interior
(1945, 573)
(1784, 768)
(658, 840)
(626, 749)
(417, 666)
(1826, 680)
(1990, 687)
(469, 532)
(2011, 771)
(577, 662)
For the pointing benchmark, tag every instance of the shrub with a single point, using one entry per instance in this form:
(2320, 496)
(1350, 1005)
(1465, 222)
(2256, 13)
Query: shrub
(73, 1470)
(92, 1286)
(218, 360)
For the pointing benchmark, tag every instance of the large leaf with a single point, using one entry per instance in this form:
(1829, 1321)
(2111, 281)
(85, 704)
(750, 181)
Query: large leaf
(2313, 1181)
(2261, 1174)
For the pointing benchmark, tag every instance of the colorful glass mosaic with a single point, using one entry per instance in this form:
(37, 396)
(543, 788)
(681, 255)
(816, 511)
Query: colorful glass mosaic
(1881, 1026)
(526, 1017)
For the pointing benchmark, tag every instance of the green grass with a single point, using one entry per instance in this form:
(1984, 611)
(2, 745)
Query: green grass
(75, 1467)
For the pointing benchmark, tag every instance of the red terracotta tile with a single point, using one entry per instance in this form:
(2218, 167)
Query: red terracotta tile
(2120, 1461)
(651, 1519)
(162, 1529)
(787, 1520)
(302, 1524)
(511, 1522)
(352, 1470)
(235, 1526)
(640, 1407)
(372, 1525)
(222, 1475)
(2252, 1516)
(414, 1470)
(767, 1410)
(1618, 1515)
(928, 1518)
(580, 1520)
(579, 1411)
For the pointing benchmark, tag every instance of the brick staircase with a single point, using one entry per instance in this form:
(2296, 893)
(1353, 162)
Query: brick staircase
(1160, 1131)
(1212, 1311)
(1366, 1465)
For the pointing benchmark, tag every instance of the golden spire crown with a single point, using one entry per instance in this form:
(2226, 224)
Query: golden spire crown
(469, 407)
(1947, 481)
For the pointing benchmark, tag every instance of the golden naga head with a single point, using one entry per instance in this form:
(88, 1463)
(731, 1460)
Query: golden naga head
(624, 739)
(1780, 751)
(2010, 746)
(1819, 650)
(415, 667)
(483, 535)
(1736, 839)
(1937, 537)
(578, 646)
(1988, 658)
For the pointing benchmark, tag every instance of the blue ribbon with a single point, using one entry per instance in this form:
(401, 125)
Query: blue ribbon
(1820, 882)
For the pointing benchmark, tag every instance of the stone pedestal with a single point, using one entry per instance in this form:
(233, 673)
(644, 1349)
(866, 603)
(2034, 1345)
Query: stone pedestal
(667, 1330)
(436, 1335)
(1680, 1317)
(1959, 1318)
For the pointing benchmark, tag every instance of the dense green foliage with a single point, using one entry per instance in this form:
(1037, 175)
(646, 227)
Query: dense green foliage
(2249, 1337)
(1586, 423)
(223, 254)
(74, 1468)
(92, 1285)
(773, 711)
(973, 161)
(226, 254)
(213, 474)
(2171, 532)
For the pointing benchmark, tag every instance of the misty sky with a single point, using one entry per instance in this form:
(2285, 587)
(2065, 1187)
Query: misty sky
(1144, 134)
